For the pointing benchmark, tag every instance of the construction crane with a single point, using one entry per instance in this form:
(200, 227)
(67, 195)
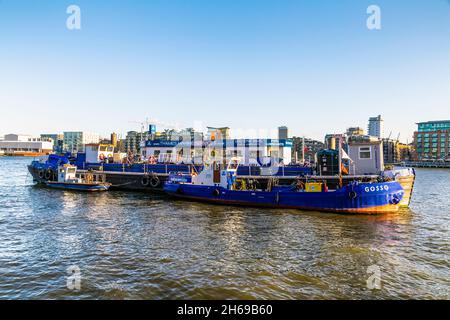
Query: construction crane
(144, 127)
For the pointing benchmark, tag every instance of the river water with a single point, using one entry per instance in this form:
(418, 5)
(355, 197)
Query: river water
(125, 245)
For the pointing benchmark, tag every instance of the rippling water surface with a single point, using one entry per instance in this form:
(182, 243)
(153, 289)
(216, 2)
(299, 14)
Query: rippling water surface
(141, 246)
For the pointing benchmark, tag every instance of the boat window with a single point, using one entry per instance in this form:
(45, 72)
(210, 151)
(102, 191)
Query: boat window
(103, 148)
(365, 153)
(71, 170)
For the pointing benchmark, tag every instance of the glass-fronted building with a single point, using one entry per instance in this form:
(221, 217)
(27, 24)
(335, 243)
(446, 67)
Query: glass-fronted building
(376, 127)
(432, 140)
(75, 141)
(56, 139)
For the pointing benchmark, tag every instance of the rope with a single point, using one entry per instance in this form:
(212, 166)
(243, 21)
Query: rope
(124, 184)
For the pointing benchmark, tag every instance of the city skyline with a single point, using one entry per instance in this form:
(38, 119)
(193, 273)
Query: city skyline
(235, 133)
(314, 67)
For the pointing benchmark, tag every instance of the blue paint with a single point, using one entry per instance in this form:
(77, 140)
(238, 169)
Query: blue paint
(356, 197)
(52, 162)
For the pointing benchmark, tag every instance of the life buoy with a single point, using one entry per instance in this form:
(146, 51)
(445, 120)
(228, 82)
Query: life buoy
(145, 181)
(48, 174)
(154, 181)
(300, 185)
(352, 195)
(102, 157)
(41, 174)
(216, 192)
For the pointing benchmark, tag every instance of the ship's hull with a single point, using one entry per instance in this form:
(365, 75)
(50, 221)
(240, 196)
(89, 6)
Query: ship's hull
(78, 186)
(406, 178)
(361, 198)
(134, 181)
(407, 183)
(28, 154)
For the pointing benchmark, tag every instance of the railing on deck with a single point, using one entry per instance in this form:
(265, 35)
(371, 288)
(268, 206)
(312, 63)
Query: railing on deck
(282, 171)
(423, 164)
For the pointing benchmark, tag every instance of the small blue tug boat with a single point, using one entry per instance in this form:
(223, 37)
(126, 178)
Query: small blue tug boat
(220, 186)
(68, 179)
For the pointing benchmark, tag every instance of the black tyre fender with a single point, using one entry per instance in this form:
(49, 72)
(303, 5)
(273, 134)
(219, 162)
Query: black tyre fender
(48, 174)
(216, 192)
(179, 191)
(395, 199)
(154, 181)
(352, 195)
(41, 174)
(145, 181)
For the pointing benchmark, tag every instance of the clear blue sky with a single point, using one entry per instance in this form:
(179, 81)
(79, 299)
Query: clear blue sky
(310, 65)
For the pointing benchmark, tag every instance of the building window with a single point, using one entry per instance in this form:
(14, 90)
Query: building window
(365, 153)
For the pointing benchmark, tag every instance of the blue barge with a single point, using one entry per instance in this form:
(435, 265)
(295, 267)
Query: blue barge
(153, 178)
(355, 198)
(149, 177)
(221, 187)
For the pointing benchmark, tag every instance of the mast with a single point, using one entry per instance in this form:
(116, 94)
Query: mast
(303, 151)
(340, 162)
